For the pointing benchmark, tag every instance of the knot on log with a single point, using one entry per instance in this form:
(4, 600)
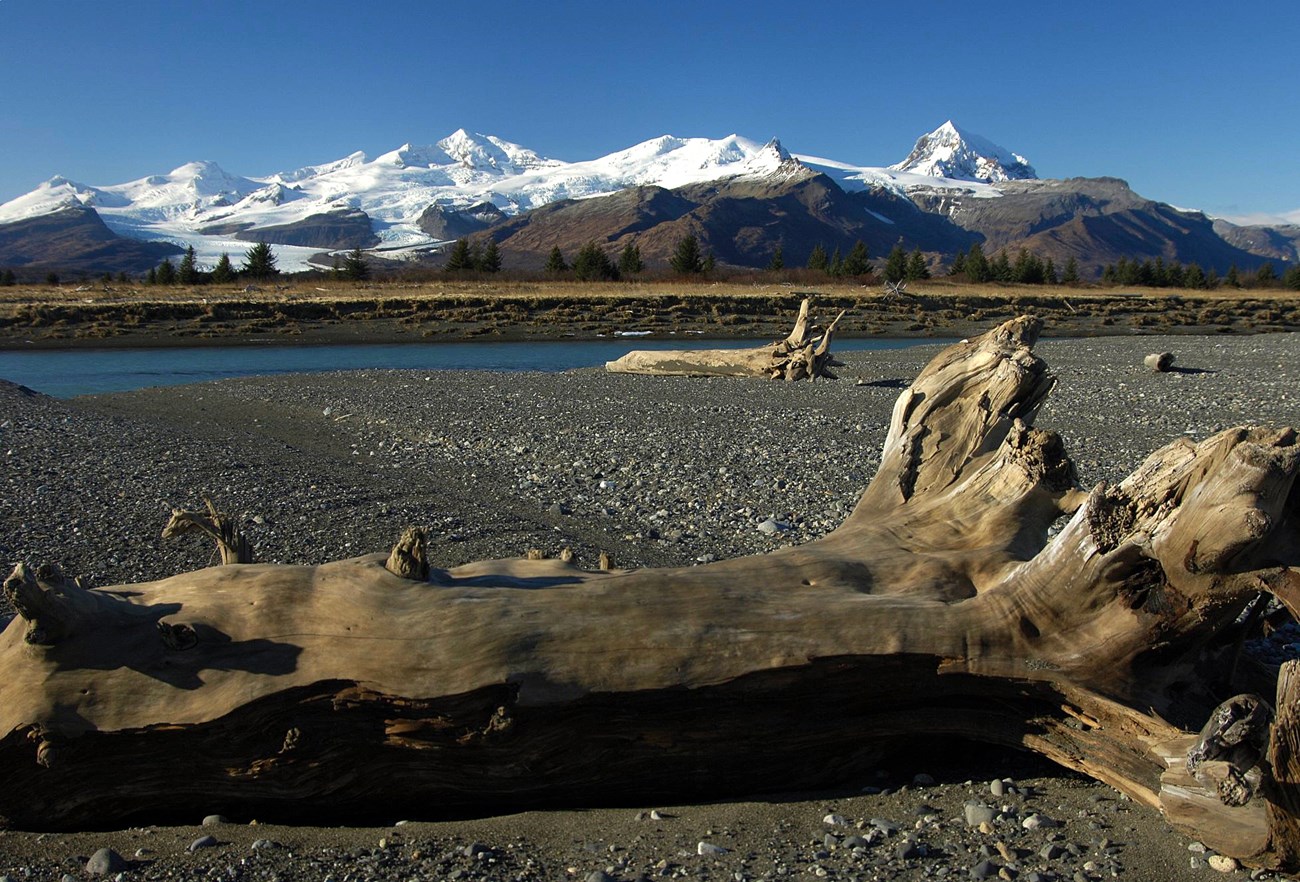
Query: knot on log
(1230, 745)
(232, 545)
(44, 601)
(177, 636)
(409, 558)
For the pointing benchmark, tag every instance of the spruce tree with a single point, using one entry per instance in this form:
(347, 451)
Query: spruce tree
(555, 262)
(817, 260)
(259, 262)
(1290, 278)
(1266, 275)
(224, 272)
(490, 260)
(686, 259)
(1071, 274)
(896, 265)
(591, 264)
(1233, 278)
(1194, 277)
(709, 262)
(837, 263)
(460, 258)
(977, 265)
(777, 263)
(1000, 268)
(916, 266)
(1049, 273)
(629, 260)
(1109, 274)
(166, 272)
(958, 265)
(151, 277)
(858, 263)
(1212, 279)
(355, 266)
(8, 279)
(52, 279)
(123, 278)
(188, 273)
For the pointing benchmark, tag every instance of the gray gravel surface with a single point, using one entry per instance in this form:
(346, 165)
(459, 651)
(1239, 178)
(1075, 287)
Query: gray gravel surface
(654, 471)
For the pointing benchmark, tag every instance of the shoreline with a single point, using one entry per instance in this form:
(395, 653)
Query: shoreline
(39, 320)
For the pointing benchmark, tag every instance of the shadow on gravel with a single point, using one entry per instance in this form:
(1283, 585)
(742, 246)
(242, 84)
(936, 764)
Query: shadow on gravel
(886, 384)
(1187, 370)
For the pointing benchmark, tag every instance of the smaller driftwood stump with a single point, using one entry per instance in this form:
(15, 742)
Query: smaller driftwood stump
(804, 355)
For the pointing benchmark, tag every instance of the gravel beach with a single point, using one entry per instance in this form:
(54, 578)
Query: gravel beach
(653, 471)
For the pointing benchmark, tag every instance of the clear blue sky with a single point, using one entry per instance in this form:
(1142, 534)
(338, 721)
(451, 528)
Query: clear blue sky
(1194, 103)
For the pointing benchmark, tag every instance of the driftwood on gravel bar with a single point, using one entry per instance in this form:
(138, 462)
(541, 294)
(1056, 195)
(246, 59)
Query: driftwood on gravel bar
(803, 355)
(943, 606)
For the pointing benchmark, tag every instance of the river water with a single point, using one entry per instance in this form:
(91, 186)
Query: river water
(65, 373)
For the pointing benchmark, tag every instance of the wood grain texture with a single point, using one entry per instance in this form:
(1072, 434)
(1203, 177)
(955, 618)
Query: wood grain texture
(975, 592)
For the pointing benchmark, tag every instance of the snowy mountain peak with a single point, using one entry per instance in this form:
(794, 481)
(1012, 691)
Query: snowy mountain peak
(774, 146)
(488, 153)
(951, 152)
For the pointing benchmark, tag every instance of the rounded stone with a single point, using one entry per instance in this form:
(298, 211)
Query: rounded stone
(104, 862)
(978, 813)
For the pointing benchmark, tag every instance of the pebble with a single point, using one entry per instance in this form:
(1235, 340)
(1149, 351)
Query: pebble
(1037, 821)
(708, 849)
(105, 861)
(997, 787)
(1223, 864)
(835, 821)
(215, 820)
(203, 842)
(978, 813)
(984, 870)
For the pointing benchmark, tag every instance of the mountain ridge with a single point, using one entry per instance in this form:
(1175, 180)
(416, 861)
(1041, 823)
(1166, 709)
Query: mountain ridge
(953, 188)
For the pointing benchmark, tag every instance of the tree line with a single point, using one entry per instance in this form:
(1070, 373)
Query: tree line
(689, 258)
(1159, 274)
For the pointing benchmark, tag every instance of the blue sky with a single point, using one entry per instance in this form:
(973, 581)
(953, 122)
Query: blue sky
(1194, 103)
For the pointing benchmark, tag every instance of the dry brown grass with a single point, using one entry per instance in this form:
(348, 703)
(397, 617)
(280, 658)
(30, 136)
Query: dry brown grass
(330, 291)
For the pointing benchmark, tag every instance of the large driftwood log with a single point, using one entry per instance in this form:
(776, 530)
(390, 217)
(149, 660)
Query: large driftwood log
(803, 355)
(941, 606)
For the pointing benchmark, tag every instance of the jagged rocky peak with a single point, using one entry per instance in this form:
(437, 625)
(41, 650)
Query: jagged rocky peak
(951, 152)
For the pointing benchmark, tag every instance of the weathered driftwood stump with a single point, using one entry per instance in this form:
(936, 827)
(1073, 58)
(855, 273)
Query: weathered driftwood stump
(1160, 362)
(940, 607)
(804, 355)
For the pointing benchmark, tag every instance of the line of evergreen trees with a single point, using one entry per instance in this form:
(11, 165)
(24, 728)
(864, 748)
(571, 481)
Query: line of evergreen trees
(467, 256)
(1026, 269)
(592, 264)
(856, 263)
(1158, 274)
(259, 263)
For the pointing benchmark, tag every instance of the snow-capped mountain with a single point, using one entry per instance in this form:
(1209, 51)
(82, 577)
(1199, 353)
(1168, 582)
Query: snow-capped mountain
(743, 197)
(950, 152)
(202, 205)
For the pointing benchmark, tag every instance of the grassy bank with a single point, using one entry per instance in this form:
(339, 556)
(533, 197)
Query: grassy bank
(107, 315)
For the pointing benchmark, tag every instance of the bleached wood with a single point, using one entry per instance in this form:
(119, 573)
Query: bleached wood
(941, 606)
